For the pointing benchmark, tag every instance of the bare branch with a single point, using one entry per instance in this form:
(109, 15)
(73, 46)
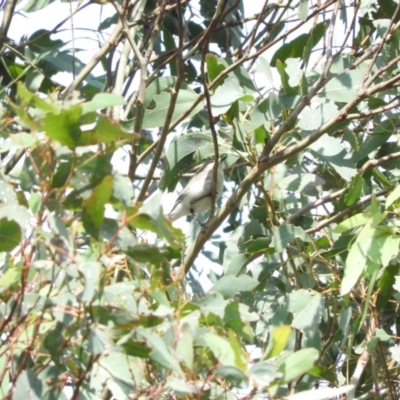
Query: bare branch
(111, 42)
(8, 12)
(340, 215)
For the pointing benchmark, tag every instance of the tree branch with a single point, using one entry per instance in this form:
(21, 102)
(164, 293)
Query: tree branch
(8, 12)
(345, 212)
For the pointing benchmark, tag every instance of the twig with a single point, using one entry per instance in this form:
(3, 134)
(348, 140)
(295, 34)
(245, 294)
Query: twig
(166, 127)
(327, 199)
(332, 196)
(8, 13)
(107, 46)
(376, 161)
(367, 82)
(348, 210)
(206, 92)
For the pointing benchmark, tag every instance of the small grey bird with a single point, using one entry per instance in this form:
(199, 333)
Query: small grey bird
(196, 196)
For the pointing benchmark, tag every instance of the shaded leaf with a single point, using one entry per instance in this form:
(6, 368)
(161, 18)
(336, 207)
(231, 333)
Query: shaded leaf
(286, 234)
(298, 363)
(307, 307)
(155, 117)
(10, 234)
(93, 206)
(230, 285)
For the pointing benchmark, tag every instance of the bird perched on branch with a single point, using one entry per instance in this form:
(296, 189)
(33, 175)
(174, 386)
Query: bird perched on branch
(196, 196)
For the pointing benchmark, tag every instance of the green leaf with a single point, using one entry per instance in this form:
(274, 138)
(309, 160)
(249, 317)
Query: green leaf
(267, 110)
(10, 234)
(159, 224)
(323, 373)
(353, 222)
(181, 387)
(185, 345)
(357, 259)
(226, 94)
(36, 5)
(286, 234)
(264, 68)
(231, 374)
(34, 100)
(65, 126)
(307, 307)
(9, 280)
(123, 189)
(279, 339)
(392, 197)
(62, 173)
(155, 117)
(257, 245)
(106, 131)
(16, 213)
(303, 9)
(385, 284)
(212, 303)
(98, 341)
(161, 353)
(93, 206)
(148, 253)
(29, 386)
(295, 48)
(330, 150)
(373, 270)
(230, 285)
(385, 248)
(17, 141)
(158, 86)
(298, 363)
(343, 87)
(101, 101)
(91, 272)
(309, 184)
(264, 373)
(311, 119)
(42, 38)
(136, 348)
(220, 348)
(214, 68)
(354, 191)
(119, 317)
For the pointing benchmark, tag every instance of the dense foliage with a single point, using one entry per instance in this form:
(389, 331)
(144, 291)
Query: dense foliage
(100, 294)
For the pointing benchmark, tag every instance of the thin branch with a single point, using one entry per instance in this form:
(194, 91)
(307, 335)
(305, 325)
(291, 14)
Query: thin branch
(367, 82)
(314, 204)
(107, 46)
(136, 14)
(376, 161)
(305, 100)
(171, 108)
(345, 212)
(206, 94)
(375, 111)
(332, 196)
(231, 68)
(383, 69)
(214, 21)
(362, 361)
(350, 30)
(143, 63)
(8, 12)
(260, 19)
(213, 224)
